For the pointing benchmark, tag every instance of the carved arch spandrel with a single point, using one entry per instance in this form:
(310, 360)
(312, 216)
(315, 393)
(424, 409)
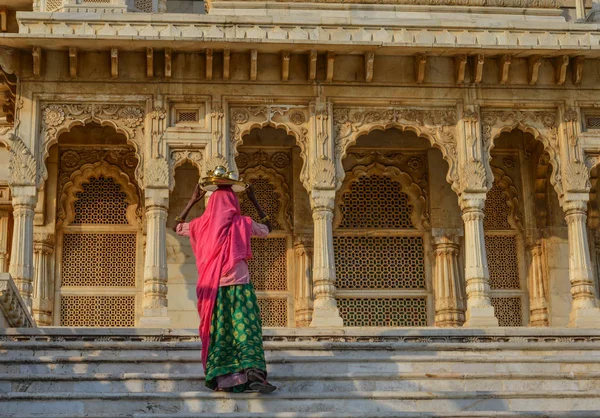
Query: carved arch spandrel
(541, 124)
(281, 189)
(437, 125)
(66, 209)
(416, 195)
(293, 119)
(59, 118)
(510, 192)
(178, 157)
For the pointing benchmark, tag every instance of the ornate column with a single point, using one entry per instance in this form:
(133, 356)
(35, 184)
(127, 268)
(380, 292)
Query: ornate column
(43, 283)
(447, 286)
(584, 312)
(538, 304)
(155, 266)
(303, 249)
(325, 312)
(4, 213)
(480, 312)
(21, 262)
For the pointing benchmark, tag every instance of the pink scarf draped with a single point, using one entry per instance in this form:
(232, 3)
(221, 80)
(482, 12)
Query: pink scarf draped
(220, 238)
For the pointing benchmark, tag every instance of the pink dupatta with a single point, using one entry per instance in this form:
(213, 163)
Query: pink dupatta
(220, 238)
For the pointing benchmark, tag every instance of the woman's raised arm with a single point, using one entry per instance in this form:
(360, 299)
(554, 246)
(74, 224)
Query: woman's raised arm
(197, 196)
(264, 219)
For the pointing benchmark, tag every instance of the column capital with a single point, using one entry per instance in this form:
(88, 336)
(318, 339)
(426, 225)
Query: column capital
(575, 206)
(472, 202)
(156, 198)
(322, 200)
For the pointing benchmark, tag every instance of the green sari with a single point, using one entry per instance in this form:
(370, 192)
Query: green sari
(235, 335)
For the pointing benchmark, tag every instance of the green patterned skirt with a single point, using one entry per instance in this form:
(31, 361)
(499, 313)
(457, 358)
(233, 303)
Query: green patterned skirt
(235, 335)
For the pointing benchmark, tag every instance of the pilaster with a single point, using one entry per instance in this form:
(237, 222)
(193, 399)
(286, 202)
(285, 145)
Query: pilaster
(447, 285)
(325, 312)
(155, 312)
(303, 251)
(4, 256)
(43, 283)
(584, 312)
(538, 287)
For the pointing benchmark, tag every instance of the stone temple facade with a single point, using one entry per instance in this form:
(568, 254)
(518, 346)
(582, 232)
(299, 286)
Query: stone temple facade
(425, 164)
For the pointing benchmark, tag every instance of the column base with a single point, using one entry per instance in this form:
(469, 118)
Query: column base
(480, 317)
(585, 318)
(155, 318)
(326, 318)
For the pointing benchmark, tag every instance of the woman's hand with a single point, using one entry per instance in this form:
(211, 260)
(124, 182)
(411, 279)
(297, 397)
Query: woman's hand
(198, 194)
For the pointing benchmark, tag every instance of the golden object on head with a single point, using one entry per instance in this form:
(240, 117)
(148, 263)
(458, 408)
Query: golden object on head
(220, 177)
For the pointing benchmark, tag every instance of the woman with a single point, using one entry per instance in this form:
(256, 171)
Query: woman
(230, 325)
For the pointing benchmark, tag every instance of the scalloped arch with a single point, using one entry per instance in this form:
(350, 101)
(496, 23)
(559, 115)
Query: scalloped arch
(416, 196)
(511, 194)
(281, 189)
(75, 184)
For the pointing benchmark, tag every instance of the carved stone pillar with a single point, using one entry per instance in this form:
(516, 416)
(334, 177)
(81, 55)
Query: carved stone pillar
(584, 312)
(155, 266)
(538, 304)
(303, 249)
(21, 261)
(4, 240)
(325, 312)
(43, 283)
(447, 286)
(480, 312)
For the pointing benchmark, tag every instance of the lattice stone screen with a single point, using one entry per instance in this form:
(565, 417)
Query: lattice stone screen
(101, 202)
(52, 5)
(144, 5)
(375, 202)
(99, 252)
(97, 311)
(508, 310)
(504, 260)
(98, 260)
(383, 312)
(268, 265)
(273, 312)
(379, 256)
(379, 262)
(268, 198)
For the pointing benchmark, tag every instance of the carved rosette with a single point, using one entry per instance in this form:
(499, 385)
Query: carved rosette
(127, 119)
(542, 124)
(293, 119)
(435, 124)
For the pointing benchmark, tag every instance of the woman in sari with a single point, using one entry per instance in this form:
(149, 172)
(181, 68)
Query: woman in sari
(230, 325)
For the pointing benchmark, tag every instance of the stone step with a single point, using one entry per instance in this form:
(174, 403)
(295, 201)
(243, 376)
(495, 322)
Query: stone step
(121, 404)
(148, 382)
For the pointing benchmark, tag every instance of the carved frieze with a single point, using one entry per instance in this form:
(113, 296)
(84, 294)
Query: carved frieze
(437, 125)
(127, 119)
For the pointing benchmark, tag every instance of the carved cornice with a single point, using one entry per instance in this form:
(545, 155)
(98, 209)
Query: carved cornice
(293, 119)
(12, 305)
(436, 125)
(416, 195)
(127, 119)
(542, 124)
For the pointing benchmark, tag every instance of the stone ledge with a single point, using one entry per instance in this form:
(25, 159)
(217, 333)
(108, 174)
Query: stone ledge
(12, 307)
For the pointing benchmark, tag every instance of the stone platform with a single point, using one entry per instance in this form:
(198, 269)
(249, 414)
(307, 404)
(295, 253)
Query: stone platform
(349, 372)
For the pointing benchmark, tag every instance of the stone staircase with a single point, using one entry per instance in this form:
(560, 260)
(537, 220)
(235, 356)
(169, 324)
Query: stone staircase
(427, 372)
